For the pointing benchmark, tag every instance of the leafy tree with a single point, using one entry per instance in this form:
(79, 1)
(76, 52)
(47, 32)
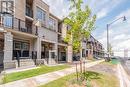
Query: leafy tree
(81, 22)
(110, 50)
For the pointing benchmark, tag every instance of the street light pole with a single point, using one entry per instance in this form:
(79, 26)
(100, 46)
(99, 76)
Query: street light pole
(124, 19)
(108, 41)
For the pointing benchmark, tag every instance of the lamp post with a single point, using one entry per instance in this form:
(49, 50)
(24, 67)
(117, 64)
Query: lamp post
(108, 25)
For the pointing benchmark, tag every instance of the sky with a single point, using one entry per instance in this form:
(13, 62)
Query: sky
(106, 11)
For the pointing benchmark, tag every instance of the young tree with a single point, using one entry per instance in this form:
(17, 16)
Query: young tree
(81, 22)
(110, 50)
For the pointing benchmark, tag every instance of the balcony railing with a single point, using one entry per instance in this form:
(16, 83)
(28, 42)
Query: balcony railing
(17, 25)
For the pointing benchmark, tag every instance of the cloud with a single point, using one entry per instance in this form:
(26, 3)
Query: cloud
(59, 8)
(107, 7)
(125, 13)
(119, 34)
(102, 13)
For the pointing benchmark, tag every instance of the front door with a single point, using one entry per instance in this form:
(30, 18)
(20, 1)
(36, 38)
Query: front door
(63, 56)
(52, 56)
(1, 51)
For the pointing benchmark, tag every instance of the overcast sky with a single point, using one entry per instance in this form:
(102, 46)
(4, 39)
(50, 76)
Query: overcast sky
(106, 11)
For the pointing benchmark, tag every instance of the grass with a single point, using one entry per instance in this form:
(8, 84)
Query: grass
(114, 61)
(98, 79)
(111, 63)
(60, 82)
(33, 72)
(107, 80)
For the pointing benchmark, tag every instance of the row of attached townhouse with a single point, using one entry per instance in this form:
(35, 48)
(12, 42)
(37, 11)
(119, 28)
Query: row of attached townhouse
(22, 38)
(91, 48)
(95, 48)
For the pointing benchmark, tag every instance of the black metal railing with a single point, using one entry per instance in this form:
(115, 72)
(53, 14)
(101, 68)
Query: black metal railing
(17, 25)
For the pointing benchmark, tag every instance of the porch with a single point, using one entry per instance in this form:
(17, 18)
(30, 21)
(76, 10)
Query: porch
(62, 54)
(49, 52)
(19, 50)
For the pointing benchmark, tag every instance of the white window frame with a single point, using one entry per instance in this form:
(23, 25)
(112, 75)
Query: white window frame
(8, 21)
(52, 23)
(42, 14)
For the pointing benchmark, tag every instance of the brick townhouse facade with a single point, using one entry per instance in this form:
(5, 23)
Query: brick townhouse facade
(21, 37)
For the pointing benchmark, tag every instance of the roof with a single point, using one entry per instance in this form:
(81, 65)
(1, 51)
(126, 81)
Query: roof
(55, 17)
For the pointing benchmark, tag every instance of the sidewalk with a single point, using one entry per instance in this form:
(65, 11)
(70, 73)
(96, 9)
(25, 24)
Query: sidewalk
(45, 78)
(123, 76)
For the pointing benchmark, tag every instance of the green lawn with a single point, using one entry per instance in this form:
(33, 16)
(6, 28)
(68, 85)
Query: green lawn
(114, 61)
(107, 80)
(97, 80)
(33, 72)
(60, 82)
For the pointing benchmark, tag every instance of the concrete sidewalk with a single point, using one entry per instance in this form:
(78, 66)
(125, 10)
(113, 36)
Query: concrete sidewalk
(123, 76)
(45, 78)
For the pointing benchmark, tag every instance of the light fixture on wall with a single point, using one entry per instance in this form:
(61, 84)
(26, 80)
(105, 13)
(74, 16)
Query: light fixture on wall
(43, 37)
(37, 24)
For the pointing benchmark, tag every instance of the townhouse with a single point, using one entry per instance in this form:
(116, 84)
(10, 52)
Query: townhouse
(90, 48)
(94, 48)
(31, 34)
(25, 38)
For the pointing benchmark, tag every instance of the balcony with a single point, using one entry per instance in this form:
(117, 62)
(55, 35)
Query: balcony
(60, 40)
(18, 25)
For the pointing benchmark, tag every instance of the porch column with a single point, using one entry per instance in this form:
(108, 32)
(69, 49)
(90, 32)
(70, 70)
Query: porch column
(56, 50)
(8, 51)
(81, 57)
(37, 47)
(69, 54)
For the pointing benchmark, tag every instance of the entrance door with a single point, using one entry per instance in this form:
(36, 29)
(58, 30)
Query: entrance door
(1, 51)
(63, 56)
(52, 57)
(52, 54)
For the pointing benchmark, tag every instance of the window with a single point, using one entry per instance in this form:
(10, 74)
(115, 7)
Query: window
(7, 7)
(52, 23)
(3, 6)
(21, 49)
(21, 45)
(41, 15)
(25, 46)
(8, 21)
(17, 45)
